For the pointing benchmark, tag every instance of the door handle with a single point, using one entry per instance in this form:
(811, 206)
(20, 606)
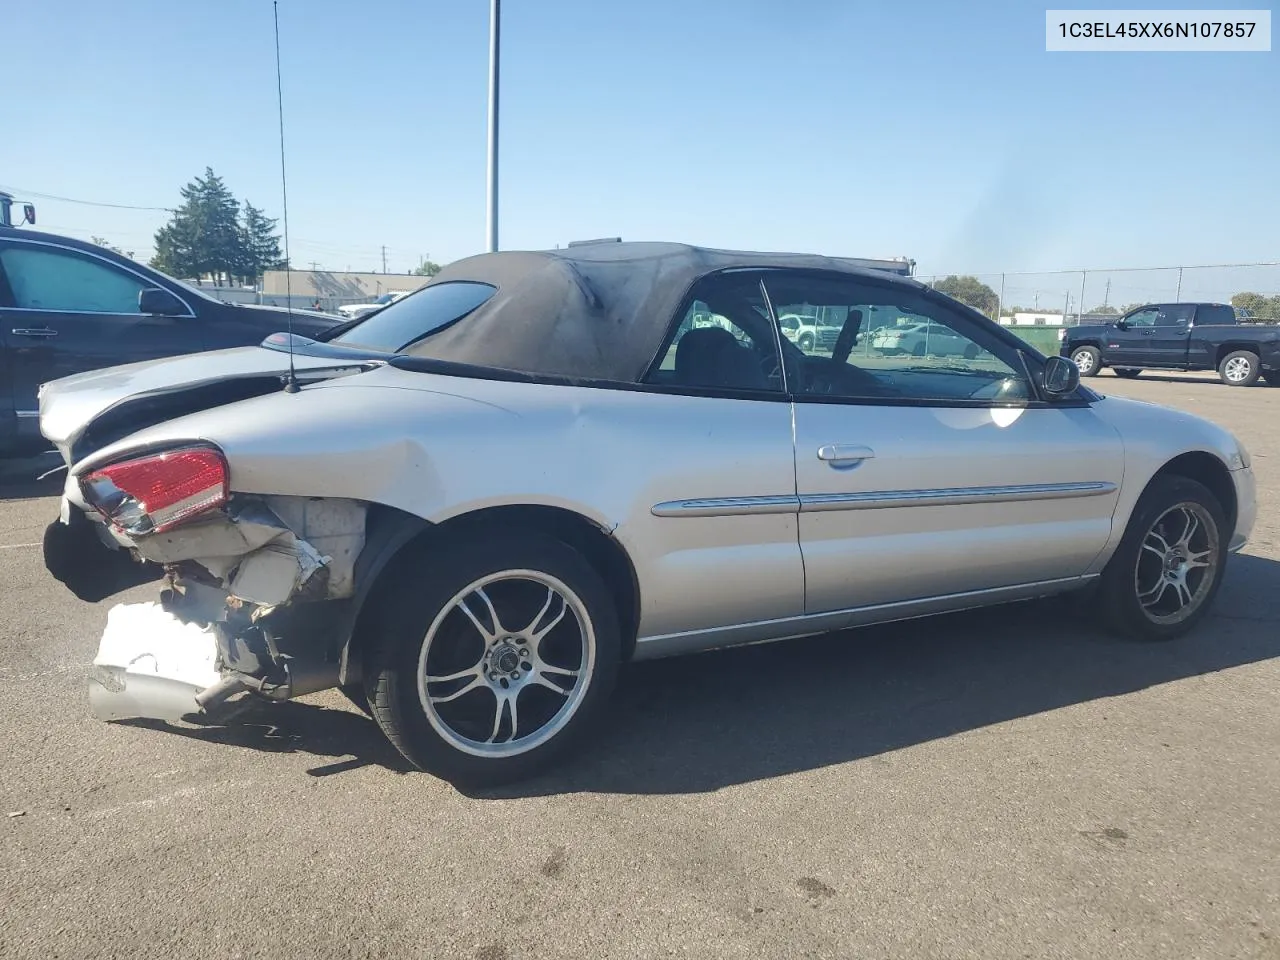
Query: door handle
(844, 453)
(33, 332)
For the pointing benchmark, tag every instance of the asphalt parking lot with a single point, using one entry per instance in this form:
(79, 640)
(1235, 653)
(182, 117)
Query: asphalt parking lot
(1006, 784)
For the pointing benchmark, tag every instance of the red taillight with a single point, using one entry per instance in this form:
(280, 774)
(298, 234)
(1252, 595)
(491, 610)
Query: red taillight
(157, 492)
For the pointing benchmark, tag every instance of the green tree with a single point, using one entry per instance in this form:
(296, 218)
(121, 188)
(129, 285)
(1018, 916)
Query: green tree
(1260, 307)
(971, 291)
(259, 244)
(111, 246)
(426, 269)
(1105, 310)
(203, 237)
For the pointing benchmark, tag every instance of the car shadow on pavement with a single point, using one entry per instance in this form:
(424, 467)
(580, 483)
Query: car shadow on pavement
(699, 723)
(1170, 376)
(704, 722)
(344, 739)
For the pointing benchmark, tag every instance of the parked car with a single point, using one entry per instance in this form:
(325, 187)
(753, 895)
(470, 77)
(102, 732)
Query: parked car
(352, 310)
(483, 499)
(1179, 336)
(808, 332)
(67, 306)
(923, 339)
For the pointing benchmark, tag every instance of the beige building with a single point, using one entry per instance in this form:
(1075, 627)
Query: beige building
(333, 288)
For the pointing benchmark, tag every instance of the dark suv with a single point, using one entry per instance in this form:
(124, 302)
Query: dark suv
(67, 306)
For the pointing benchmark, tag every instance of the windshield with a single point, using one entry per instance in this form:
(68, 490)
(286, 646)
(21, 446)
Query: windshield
(408, 320)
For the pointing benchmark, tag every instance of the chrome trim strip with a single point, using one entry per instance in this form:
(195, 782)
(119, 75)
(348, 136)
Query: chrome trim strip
(27, 414)
(726, 506)
(190, 314)
(876, 499)
(873, 500)
(787, 628)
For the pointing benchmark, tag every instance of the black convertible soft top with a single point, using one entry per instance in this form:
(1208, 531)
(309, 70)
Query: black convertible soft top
(598, 311)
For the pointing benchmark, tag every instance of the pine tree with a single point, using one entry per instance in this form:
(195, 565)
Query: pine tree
(202, 238)
(259, 245)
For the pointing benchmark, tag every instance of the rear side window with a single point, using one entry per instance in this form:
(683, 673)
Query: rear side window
(395, 328)
(1215, 313)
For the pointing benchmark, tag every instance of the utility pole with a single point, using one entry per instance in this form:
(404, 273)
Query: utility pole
(1106, 297)
(314, 264)
(384, 258)
(495, 18)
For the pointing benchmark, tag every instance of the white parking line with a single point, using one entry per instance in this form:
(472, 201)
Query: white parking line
(18, 546)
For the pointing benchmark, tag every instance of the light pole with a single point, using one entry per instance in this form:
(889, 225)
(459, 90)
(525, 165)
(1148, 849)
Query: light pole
(495, 19)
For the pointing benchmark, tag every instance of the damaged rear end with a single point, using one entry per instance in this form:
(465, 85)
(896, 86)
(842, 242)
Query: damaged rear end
(244, 577)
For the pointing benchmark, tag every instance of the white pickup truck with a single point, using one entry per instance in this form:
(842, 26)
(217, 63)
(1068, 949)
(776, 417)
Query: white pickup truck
(353, 310)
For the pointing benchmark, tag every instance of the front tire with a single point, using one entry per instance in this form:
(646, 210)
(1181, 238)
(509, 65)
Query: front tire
(806, 343)
(1164, 576)
(1240, 368)
(1087, 360)
(495, 658)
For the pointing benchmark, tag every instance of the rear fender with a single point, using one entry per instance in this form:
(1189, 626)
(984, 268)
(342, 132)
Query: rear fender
(387, 532)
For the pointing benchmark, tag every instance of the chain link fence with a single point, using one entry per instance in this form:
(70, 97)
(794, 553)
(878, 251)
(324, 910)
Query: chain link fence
(1066, 297)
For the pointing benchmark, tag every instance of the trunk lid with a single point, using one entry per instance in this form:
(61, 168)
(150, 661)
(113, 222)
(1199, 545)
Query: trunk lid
(86, 411)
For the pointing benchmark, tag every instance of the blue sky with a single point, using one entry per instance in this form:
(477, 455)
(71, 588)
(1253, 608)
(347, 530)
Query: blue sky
(942, 131)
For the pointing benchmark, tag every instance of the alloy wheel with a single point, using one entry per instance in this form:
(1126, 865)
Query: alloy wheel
(1177, 563)
(1237, 369)
(506, 663)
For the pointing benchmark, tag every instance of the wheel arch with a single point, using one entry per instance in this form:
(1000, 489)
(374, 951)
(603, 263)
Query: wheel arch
(1207, 469)
(1226, 349)
(393, 534)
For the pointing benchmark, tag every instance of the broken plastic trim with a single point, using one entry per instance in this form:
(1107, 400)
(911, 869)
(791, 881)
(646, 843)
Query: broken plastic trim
(151, 663)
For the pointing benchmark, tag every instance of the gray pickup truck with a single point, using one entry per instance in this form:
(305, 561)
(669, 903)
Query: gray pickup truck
(1179, 336)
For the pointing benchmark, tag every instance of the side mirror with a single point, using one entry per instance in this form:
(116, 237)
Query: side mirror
(1060, 378)
(29, 212)
(155, 300)
(1122, 324)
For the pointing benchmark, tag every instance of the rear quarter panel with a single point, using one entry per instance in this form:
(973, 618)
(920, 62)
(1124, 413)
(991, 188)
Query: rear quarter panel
(441, 447)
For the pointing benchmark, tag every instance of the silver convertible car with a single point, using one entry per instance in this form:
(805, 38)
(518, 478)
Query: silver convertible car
(470, 508)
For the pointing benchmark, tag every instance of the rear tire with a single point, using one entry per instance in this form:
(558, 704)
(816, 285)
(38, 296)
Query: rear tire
(1087, 360)
(514, 628)
(1128, 373)
(1164, 576)
(1240, 368)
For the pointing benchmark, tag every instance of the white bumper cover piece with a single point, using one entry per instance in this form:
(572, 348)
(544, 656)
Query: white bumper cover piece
(150, 664)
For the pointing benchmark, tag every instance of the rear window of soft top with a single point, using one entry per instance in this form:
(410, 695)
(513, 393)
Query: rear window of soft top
(398, 326)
